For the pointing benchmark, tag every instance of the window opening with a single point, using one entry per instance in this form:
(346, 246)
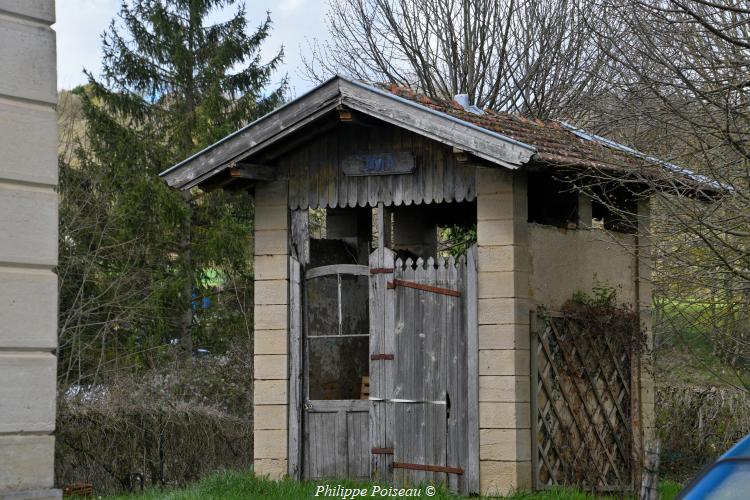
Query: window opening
(552, 201)
(614, 208)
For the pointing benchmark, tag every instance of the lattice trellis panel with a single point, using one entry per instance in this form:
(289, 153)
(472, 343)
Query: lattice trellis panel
(581, 385)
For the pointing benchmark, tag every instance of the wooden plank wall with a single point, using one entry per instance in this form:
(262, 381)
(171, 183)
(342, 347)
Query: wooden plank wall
(316, 178)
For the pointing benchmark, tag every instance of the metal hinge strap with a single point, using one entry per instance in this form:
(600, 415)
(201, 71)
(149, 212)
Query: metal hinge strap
(382, 451)
(384, 357)
(429, 468)
(381, 270)
(419, 286)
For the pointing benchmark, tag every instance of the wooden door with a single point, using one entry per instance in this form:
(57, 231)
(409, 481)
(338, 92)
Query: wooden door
(336, 365)
(419, 370)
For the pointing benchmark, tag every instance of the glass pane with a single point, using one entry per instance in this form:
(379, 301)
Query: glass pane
(355, 309)
(323, 306)
(337, 367)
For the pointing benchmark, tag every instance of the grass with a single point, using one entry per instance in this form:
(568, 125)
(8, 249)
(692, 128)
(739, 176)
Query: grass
(685, 354)
(241, 486)
(669, 490)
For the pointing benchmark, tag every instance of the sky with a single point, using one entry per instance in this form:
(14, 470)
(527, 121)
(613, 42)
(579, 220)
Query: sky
(80, 24)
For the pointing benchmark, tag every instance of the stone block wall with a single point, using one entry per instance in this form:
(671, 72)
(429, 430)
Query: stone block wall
(28, 248)
(270, 364)
(503, 314)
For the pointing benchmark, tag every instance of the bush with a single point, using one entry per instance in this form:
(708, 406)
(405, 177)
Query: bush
(696, 425)
(164, 428)
(128, 447)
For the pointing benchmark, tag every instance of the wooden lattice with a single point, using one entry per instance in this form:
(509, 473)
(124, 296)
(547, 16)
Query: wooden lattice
(582, 399)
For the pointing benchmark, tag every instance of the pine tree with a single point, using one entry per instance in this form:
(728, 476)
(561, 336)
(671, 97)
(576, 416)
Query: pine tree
(199, 81)
(171, 84)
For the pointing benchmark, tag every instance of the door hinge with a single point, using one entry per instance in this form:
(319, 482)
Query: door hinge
(429, 468)
(382, 451)
(391, 285)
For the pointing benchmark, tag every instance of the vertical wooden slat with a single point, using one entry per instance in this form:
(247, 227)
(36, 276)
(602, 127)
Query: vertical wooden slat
(460, 411)
(328, 169)
(377, 418)
(344, 139)
(437, 177)
(335, 173)
(455, 454)
(341, 446)
(300, 236)
(419, 176)
(452, 377)
(379, 383)
(351, 183)
(461, 182)
(294, 442)
(427, 174)
(472, 351)
(389, 346)
(294, 182)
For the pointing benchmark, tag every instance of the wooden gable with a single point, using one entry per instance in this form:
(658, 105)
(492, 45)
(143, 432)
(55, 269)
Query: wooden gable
(318, 177)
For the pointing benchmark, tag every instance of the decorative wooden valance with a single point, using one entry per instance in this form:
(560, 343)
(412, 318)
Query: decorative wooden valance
(320, 174)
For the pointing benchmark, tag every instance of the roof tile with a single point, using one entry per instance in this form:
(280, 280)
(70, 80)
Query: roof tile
(555, 144)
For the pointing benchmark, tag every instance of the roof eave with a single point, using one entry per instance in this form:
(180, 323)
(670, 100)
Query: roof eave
(220, 154)
(361, 97)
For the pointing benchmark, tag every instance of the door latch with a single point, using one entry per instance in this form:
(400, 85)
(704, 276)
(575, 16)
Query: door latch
(307, 406)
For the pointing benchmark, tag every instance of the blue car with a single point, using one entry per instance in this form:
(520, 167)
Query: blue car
(726, 479)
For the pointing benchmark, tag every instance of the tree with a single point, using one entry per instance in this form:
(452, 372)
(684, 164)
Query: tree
(171, 84)
(531, 57)
(681, 93)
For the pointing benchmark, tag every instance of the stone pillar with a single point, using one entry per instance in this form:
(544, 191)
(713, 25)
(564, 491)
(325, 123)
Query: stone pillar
(503, 313)
(648, 413)
(28, 249)
(271, 330)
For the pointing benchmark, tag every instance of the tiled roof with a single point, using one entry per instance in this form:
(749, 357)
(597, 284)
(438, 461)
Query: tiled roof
(556, 144)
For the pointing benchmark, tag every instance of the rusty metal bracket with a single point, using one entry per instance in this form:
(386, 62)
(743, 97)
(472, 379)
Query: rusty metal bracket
(382, 451)
(381, 270)
(429, 468)
(385, 357)
(427, 288)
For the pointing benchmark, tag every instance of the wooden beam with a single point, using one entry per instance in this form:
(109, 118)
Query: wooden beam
(358, 119)
(253, 172)
(345, 114)
(461, 156)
